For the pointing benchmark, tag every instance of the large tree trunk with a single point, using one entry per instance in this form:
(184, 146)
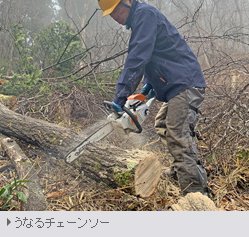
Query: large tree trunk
(55, 139)
(108, 164)
(111, 165)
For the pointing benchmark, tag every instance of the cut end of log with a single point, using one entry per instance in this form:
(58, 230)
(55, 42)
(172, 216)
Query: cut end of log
(147, 176)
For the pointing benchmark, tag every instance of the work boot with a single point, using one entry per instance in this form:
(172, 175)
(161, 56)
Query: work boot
(199, 184)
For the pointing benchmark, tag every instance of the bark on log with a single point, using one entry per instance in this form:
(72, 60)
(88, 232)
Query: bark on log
(36, 199)
(109, 164)
(55, 139)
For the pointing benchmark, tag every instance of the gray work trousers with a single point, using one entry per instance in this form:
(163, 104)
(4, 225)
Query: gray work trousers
(172, 124)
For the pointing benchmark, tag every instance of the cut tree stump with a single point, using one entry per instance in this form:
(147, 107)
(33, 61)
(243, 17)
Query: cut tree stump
(9, 101)
(109, 164)
(24, 168)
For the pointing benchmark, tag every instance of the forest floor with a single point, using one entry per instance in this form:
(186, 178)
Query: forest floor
(66, 189)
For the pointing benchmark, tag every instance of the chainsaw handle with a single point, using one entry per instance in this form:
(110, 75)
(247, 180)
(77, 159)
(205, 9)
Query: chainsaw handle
(109, 106)
(134, 119)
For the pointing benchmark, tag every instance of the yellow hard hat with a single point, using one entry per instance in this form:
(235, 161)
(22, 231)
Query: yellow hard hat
(108, 6)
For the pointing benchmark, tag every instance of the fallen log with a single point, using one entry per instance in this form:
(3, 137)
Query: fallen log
(116, 167)
(53, 138)
(35, 198)
(109, 164)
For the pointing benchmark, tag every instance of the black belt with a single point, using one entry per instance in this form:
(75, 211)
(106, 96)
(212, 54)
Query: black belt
(196, 110)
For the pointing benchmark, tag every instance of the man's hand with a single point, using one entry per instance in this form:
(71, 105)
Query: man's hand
(117, 107)
(148, 91)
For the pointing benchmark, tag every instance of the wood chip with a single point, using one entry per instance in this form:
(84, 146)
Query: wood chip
(54, 194)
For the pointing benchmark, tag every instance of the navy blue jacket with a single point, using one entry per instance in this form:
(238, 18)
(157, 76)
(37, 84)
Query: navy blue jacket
(158, 51)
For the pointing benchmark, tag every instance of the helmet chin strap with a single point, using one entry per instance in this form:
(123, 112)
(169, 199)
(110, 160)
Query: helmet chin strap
(127, 6)
(124, 5)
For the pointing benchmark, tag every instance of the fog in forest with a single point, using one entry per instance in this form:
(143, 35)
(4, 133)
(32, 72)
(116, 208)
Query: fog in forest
(211, 27)
(59, 60)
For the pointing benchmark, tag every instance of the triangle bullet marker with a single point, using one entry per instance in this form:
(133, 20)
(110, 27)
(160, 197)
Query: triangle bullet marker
(8, 221)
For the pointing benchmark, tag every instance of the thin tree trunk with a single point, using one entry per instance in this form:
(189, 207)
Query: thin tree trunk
(35, 198)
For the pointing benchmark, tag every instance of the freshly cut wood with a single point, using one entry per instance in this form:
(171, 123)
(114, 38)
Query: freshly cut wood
(109, 164)
(24, 168)
(9, 101)
(147, 176)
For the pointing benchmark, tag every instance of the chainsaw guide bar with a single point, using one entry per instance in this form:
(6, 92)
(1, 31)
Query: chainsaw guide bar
(96, 136)
(134, 114)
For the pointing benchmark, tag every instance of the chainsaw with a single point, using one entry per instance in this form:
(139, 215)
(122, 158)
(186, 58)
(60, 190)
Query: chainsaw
(135, 112)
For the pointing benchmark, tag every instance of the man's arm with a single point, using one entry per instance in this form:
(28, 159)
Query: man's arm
(141, 46)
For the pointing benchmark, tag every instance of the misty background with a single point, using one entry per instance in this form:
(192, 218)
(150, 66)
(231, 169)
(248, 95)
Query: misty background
(213, 28)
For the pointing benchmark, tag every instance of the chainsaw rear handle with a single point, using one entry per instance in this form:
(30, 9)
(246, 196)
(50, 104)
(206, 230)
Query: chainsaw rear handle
(109, 106)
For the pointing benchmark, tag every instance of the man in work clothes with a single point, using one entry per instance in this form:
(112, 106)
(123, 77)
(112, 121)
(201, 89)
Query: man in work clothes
(159, 53)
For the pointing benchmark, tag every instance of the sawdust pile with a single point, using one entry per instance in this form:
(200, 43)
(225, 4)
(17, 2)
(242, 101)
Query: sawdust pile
(195, 202)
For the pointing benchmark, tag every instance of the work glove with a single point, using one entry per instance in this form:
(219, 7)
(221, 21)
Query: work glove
(148, 91)
(117, 107)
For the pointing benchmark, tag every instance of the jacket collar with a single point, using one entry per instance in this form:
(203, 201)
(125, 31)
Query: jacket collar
(132, 10)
